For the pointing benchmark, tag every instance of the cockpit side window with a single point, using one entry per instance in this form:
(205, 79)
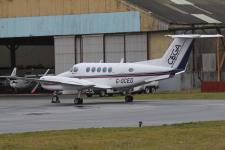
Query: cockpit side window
(75, 69)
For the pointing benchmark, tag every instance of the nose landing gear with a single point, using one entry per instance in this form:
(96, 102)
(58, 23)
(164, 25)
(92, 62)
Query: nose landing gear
(129, 98)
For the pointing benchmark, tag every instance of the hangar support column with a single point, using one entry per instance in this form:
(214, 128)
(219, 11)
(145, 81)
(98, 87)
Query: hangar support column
(13, 48)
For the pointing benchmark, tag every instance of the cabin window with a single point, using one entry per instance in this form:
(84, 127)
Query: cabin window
(88, 69)
(110, 69)
(99, 69)
(131, 70)
(75, 69)
(104, 69)
(93, 69)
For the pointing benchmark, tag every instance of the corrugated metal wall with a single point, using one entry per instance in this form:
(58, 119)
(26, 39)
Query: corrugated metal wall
(158, 44)
(70, 24)
(28, 8)
(21, 8)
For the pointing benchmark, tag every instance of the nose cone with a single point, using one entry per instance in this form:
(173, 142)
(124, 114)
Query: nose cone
(13, 84)
(43, 78)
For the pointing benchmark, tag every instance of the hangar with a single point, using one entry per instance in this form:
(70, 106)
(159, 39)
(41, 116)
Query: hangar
(55, 34)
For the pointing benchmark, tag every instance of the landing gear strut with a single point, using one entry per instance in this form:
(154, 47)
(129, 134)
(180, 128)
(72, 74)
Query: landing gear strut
(55, 99)
(78, 100)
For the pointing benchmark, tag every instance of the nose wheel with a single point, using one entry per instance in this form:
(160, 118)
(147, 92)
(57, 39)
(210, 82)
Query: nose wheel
(129, 99)
(78, 101)
(55, 99)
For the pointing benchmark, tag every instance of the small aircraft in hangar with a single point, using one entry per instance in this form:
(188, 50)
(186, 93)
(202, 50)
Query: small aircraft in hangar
(18, 83)
(122, 75)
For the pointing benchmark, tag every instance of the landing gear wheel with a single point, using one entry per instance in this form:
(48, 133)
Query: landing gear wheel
(110, 94)
(129, 99)
(78, 101)
(153, 90)
(89, 95)
(123, 93)
(102, 93)
(55, 99)
(147, 90)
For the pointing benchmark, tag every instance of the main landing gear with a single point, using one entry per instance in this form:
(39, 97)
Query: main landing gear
(128, 97)
(77, 100)
(55, 99)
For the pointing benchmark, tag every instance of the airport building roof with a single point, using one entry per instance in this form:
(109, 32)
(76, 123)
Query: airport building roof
(185, 12)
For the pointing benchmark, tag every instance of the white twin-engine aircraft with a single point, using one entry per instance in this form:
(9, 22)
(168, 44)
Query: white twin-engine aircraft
(122, 75)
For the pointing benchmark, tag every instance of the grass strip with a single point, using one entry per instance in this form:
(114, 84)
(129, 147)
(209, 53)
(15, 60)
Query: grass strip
(194, 136)
(187, 95)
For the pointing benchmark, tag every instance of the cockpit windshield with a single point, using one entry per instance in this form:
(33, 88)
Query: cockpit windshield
(75, 69)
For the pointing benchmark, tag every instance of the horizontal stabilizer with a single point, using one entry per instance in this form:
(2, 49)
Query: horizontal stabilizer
(158, 78)
(194, 36)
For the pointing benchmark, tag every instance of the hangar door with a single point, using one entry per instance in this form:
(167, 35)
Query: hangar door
(114, 48)
(131, 47)
(92, 48)
(136, 47)
(64, 53)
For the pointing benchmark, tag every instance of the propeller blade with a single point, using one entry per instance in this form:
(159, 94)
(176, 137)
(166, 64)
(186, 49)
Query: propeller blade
(46, 72)
(34, 89)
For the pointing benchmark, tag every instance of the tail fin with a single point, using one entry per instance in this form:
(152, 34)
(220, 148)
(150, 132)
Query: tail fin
(178, 53)
(13, 74)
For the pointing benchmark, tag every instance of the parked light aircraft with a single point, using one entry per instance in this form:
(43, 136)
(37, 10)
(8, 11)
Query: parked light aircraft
(122, 75)
(18, 83)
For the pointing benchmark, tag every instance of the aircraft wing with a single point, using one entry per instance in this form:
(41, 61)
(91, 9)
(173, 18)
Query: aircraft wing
(100, 86)
(7, 77)
(158, 78)
(66, 81)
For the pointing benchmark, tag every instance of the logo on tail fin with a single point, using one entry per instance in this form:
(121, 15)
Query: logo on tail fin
(174, 54)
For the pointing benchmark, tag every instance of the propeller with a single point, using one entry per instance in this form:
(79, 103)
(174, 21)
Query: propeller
(37, 85)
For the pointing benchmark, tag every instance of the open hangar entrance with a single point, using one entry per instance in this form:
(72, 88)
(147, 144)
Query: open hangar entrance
(31, 55)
